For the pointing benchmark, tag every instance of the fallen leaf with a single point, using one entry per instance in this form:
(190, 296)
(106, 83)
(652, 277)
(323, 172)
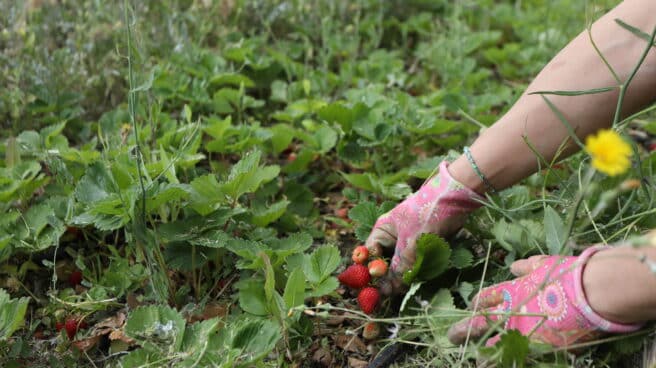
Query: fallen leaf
(112, 326)
(357, 363)
(211, 310)
(132, 301)
(86, 344)
(119, 335)
(322, 357)
(350, 343)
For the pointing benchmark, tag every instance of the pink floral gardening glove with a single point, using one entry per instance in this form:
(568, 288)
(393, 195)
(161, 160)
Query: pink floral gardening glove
(547, 303)
(440, 206)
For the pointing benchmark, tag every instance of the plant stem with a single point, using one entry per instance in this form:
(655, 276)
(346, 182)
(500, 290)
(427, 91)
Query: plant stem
(625, 86)
(577, 204)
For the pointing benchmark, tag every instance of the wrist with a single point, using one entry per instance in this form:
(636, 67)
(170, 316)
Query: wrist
(615, 287)
(462, 171)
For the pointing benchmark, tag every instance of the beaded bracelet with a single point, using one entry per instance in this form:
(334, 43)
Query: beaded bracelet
(478, 172)
(648, 262)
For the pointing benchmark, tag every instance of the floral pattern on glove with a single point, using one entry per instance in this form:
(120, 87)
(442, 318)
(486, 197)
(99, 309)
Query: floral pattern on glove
(440, 206)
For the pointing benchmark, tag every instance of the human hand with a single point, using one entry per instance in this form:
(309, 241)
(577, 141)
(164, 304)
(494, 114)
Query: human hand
(546, 302)
(440, 207)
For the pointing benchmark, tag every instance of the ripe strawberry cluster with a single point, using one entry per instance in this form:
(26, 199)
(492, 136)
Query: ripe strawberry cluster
(358, 276)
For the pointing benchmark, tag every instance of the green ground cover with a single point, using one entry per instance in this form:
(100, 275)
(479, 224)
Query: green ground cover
(183, 179)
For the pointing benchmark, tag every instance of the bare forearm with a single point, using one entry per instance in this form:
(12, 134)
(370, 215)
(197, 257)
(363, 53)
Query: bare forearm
(501, 152)
(620, 285)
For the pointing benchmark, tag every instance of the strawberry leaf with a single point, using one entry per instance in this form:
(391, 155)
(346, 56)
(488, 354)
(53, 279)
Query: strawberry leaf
(12, 314)
(433, 255)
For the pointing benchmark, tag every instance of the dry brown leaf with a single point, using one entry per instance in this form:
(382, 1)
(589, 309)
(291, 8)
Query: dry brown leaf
(86, 344)
(322, 357)
(350, 343)
(132, 301)
(119, 335)
(112, 326)
(211, 310)
(357, 363)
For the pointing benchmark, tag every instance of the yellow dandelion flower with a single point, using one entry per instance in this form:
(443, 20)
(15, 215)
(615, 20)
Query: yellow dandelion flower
(610, 153)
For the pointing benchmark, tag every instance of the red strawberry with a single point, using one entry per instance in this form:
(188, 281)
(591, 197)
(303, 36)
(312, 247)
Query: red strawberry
(368, 299)
(72, 326)
(342, 213)
(377, 267)
(355, 276)
(360, 254)
(652, 147)
(370, 330)
(59, 326)
(75, 278)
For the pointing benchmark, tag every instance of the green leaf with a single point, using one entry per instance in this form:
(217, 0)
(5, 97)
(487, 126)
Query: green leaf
(514, 348)
(301, 198)
(263, 217)
(274, 301)
(294, 294)
(294, 243)
(443, 301)
(141, 358)
(246, 176)
(156, 327)
(465, 290)
(166, 194)
(215, 238)
(554, 227)
(187, 113)
(229, 79)
(303, 158)
(338, 113)
(39, 228)
(198, 341)
(326, 139)
(462, 258)
(283, 135)
(322, 263)
(255, 338)
(522, 236)
(96, 184)
(195, 226)
(442, 315)
(206, 194)
(366, 214)
(12, 314)
(374, 184)
(433, 254)
(325, 287)
(425, 168)
(252, 298)
(248, 251)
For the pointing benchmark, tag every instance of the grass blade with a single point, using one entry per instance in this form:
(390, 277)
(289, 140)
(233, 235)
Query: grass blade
(592, 91)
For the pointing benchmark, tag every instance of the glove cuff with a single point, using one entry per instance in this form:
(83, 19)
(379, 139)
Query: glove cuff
(455, 185)
(584, 307)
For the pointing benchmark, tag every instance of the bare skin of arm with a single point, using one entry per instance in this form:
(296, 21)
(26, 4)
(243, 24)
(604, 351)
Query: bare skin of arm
(501, 153)
(617, 286)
